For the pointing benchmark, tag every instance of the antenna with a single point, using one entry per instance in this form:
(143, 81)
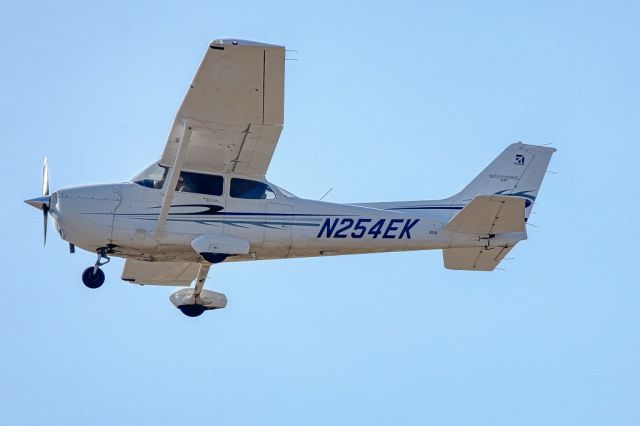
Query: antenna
(325, 194)
(286, 54)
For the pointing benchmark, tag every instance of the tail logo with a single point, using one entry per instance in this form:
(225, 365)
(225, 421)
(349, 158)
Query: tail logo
(519, 160)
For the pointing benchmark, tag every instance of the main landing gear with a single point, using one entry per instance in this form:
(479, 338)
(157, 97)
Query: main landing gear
(93, 277)
(193, 302)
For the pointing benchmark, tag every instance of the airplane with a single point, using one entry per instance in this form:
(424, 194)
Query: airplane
(207, 201)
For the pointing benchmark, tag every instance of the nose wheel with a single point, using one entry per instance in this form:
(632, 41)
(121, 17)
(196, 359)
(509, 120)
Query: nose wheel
(93, 277)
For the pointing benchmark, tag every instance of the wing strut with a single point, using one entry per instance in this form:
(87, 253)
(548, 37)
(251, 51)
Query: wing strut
(170, 186)
(202, 275)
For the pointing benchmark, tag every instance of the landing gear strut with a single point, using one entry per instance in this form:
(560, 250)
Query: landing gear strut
(93, 277)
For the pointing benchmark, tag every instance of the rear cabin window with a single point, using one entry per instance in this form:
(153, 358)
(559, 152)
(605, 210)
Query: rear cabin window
(200, 183)
(250, 189)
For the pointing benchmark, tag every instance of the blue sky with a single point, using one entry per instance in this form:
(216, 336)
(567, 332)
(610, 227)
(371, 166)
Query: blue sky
(394, 101)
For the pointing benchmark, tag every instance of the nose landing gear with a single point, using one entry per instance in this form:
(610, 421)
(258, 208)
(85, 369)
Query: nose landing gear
(93, 277)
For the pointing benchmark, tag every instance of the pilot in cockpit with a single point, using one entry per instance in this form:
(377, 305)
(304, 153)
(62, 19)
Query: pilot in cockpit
(182, 185)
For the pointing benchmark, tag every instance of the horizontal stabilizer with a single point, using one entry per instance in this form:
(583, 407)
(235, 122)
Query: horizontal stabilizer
(474, 258)
(490, 214)
(160, 273)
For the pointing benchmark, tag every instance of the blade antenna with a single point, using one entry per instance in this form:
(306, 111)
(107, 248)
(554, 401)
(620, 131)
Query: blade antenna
(325, 194)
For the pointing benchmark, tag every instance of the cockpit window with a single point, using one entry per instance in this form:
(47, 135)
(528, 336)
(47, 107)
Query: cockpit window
(200, 183)
(250, 189)
(151, 177)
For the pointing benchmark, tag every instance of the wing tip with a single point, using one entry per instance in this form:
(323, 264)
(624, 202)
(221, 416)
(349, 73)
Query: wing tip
(241, 42)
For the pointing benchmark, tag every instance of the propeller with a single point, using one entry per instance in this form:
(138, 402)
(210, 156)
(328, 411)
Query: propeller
(43, 203)
(45, 193)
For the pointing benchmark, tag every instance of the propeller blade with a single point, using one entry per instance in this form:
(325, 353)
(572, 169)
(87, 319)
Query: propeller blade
(45, 213)
(45, 177)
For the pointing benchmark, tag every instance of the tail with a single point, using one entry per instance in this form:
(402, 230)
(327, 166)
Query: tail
(517, 172)
(494, 203)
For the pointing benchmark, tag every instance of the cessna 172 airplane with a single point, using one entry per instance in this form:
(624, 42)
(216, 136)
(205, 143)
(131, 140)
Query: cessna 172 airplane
(207, 201)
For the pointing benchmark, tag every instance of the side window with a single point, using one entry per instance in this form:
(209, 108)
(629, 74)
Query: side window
(250, 189)
(200, 183)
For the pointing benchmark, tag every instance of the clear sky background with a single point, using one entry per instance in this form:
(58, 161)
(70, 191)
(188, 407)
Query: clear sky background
(389, 101)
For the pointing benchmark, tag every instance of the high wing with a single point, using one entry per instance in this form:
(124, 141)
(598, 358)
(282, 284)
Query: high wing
(235, 109)
(160, 273)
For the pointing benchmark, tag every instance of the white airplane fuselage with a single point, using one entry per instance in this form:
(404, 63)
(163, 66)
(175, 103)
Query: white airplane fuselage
(122, 217)
(171, 227)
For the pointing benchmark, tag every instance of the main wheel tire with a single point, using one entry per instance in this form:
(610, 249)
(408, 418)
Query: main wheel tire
(192, 310)
(92, 280)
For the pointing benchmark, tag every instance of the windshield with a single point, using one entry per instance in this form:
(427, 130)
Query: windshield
(151, 177)
(285, 192)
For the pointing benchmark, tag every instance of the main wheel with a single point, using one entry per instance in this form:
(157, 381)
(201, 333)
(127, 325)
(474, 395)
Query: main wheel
(92, 280)
(192, 310)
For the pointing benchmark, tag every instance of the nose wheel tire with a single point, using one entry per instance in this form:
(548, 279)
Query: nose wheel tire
(91, 279)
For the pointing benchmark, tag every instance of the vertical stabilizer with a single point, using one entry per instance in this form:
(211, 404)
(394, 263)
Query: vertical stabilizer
(517, 171)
